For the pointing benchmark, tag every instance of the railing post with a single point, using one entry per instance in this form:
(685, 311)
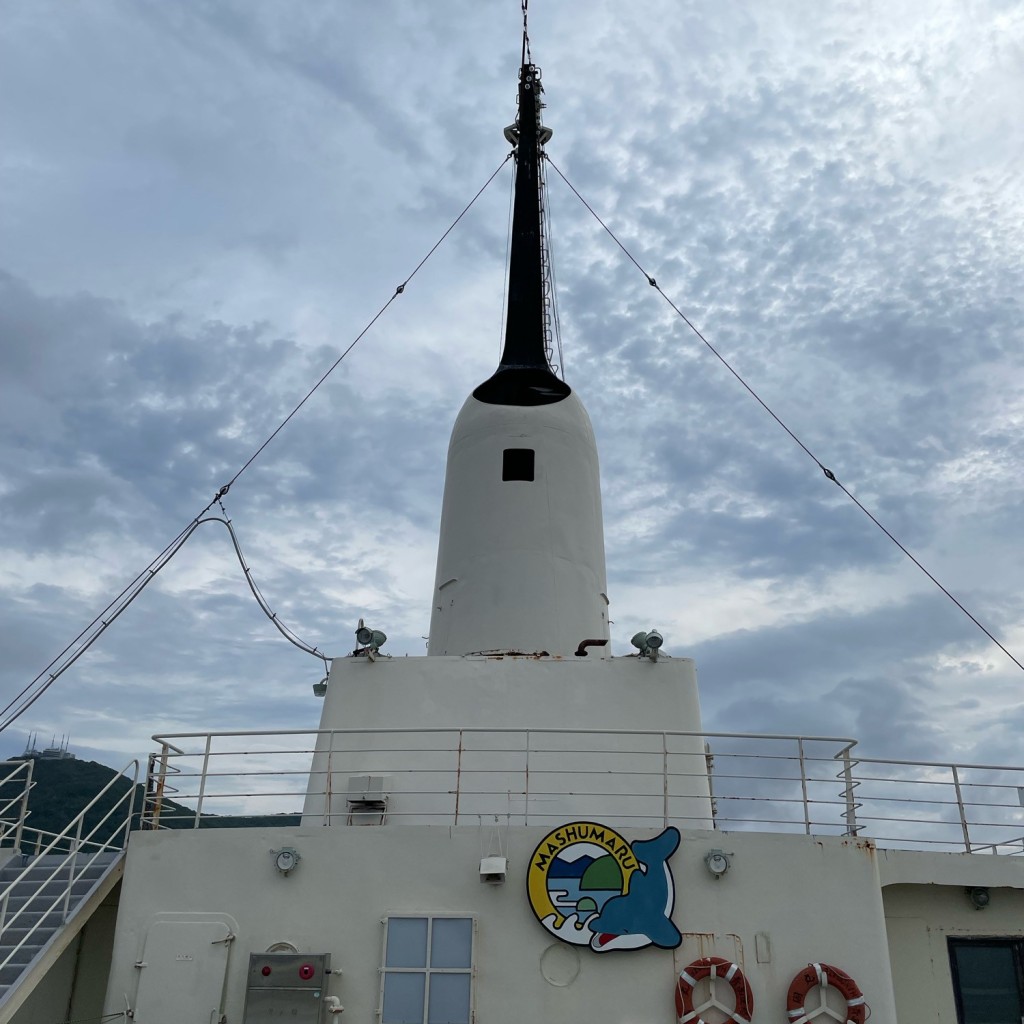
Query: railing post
(960, 807)
(157, 794)
(458, 777)
(131, 808)
(803, 785)
(202, 780)
(526, 794)
(23, 813)
(709, 767)
(850, 814)
(328, 783)
(72, 861)
(664, 780)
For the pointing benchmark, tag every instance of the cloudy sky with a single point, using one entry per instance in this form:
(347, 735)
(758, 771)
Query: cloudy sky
(202, 203)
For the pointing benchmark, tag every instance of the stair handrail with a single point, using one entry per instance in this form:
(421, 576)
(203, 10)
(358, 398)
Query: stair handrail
(41, 833)
(26, 766)
(74, 827)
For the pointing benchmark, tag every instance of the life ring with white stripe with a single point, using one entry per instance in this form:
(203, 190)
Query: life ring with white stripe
(713, 967)
(824, 975)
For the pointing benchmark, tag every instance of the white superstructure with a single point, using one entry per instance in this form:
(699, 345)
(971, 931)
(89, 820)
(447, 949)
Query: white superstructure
(520, 564)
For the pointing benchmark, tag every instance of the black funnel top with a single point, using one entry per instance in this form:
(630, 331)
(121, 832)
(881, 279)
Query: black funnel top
(524, 376)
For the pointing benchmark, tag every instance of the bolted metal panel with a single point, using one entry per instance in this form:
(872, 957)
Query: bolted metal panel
(286, 986)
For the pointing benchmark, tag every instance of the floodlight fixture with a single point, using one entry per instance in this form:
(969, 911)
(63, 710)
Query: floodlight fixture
(648, 644)
(320, 689)
(372, 639)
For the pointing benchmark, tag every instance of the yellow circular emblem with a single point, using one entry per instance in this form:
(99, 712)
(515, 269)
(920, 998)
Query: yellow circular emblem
(573, 872)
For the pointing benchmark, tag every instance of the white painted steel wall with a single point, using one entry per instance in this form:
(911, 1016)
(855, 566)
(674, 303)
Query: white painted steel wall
(812, 899)
(577, 775)
(921, 919)
(520, 564)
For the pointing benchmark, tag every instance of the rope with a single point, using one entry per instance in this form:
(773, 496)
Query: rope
(829, 475)
(43, 680)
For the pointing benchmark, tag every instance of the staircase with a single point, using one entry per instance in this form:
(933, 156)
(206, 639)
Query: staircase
(48, 895)
(40, 902)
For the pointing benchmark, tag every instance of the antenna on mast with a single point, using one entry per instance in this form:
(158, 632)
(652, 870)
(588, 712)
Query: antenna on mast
(527, 56)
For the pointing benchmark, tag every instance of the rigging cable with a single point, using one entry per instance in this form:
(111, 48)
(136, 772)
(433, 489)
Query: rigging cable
(43, 680)
(508, 258)
(829, 475)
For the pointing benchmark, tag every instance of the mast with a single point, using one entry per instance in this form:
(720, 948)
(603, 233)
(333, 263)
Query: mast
(520, 560)
(524, 375)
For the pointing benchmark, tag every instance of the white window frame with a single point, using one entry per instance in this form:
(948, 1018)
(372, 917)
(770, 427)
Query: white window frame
(427, 970)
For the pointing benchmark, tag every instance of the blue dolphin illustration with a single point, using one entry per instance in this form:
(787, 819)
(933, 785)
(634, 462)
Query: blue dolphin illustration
(643, 915)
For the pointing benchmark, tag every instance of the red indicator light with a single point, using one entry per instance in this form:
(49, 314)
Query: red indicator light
(306, 971)
(265, 971)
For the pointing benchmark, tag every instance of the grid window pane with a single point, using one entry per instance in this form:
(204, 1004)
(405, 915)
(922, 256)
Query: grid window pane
(987, 979)
(451, 942)
(403, 998)
(407, 942)
(449, 999)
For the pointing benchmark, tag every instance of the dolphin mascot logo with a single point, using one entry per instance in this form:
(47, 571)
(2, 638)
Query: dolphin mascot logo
(642, 916)
(589, 887)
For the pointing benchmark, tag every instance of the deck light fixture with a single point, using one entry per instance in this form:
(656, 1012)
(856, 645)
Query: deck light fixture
(648, 644)
(320, 689)
(286, 859)
(370, 640)
(716, 862)
(493, 870)
(979, 896)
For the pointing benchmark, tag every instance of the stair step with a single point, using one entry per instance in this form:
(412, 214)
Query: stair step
(28, 919)
(83, 868)
(10, 974)
(22, 956)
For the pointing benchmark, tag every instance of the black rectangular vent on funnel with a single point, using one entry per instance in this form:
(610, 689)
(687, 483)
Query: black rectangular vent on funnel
(517, 464)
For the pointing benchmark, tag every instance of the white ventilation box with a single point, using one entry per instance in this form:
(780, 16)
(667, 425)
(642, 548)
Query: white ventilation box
(368, 799)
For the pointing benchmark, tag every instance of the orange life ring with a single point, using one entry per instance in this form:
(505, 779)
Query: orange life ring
(824, 975)
(713, 967)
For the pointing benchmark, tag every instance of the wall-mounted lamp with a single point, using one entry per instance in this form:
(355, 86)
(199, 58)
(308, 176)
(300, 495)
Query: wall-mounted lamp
(320, 689)
(717, 862)
(979, 896)
(648, 644)
(493, 870)
(286, 859)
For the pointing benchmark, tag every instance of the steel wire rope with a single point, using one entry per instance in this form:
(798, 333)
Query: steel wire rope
(771, 412)
(508, 257)
(288, 634)
(58, 665)
(380, 312)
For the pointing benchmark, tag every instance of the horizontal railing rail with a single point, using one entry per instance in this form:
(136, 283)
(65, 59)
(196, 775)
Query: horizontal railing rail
(727, 781)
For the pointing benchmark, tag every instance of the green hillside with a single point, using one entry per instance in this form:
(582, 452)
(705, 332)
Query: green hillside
(64, 787)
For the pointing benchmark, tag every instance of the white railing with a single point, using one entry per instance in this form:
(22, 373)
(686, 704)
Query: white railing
(727, 781)
(15, 785)
(80, 851)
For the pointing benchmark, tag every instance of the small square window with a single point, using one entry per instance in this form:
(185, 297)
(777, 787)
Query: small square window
(988, 975)
(413, 992)
(517, 464)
